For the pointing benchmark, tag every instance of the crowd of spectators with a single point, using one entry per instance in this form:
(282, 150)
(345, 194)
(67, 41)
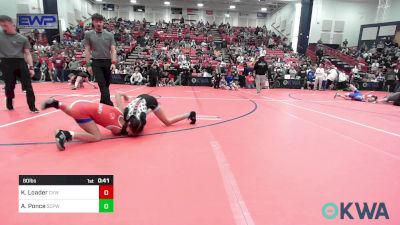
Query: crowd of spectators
(170, 53)
(380, 63)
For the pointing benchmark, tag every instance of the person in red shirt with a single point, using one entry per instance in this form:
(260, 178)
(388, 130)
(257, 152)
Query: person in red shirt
(59, 64)
(250, 81)
(242, 78)
(50, 68)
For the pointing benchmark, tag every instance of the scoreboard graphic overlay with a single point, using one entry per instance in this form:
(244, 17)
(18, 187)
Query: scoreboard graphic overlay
(66, 194)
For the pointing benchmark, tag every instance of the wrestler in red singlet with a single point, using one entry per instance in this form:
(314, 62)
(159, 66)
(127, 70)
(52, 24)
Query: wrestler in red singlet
(104, 115)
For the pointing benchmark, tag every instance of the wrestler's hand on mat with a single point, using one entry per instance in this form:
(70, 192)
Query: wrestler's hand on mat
(126, 98)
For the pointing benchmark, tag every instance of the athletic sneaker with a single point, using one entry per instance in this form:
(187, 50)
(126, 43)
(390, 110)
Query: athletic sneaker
(192, 117)
(62, 136)
(51, 102)
(34, 110)
(9, 104)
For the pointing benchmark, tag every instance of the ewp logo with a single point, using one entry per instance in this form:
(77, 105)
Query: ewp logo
(363, 211)
(37, 21)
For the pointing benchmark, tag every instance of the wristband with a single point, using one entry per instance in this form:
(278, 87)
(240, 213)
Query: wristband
(30, 68)
(88, 65)
(114, 62)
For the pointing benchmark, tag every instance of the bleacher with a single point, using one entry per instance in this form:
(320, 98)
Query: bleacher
(340, 60)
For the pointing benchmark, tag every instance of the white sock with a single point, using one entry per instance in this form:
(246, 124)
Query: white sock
(72, 134)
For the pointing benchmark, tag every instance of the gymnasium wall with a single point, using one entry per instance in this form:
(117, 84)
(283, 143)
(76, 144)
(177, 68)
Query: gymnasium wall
(70, 12)
(8, 9)
(29, 6)
(154, 14)
(281, 22)
(393, 12)
(336, 20)
(373, 33)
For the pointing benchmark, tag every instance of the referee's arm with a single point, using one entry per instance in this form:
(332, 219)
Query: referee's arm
(113, 55)
(29, 61)
(88, 56)
(88, 53)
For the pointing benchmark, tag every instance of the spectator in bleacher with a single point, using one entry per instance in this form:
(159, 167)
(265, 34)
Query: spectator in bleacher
(380, 46)
(50, 69)
(390, 83)
(397, 72)
(73, 66)
(240, 59)
(242, 77)
(345, 43)
(302, 73)
(43, 71)
(153, 74)
(332, 77)
(319, 53)
(292, 72)
(310, 79)
(342, 80)
(59, 65)
(136, 78)
(319, 77)
(250, 81)
(381, 80)
(354, 73)
(375, 66)
(388, 42)
(262, 52)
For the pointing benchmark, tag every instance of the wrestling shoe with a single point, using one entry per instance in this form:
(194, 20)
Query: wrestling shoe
(9, 104)
(62, 136)
(192, 117)
(34, 110)
(51, 102)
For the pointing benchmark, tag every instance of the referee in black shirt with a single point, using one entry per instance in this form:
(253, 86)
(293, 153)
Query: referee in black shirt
(261, 71)
(16, 61)
(100, 49)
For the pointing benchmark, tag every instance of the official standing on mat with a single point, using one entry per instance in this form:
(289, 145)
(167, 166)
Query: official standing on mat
(261, 70)
(16, 61)
(100, 49)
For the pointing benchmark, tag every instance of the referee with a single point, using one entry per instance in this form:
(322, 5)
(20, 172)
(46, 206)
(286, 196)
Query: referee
(16, 61)
(261, 70)
(100, 49)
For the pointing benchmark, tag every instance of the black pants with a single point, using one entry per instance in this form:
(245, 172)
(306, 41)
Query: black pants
(242, 81)
(102, 73)
(152, 80)
(217, 81)
(390, 84)
(13, 68)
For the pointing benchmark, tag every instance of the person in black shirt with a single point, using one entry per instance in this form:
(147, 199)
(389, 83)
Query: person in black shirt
(320, 54)
(397, 72)
(153, 75)
(302, 74)
(217, 80)
(261, 70)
